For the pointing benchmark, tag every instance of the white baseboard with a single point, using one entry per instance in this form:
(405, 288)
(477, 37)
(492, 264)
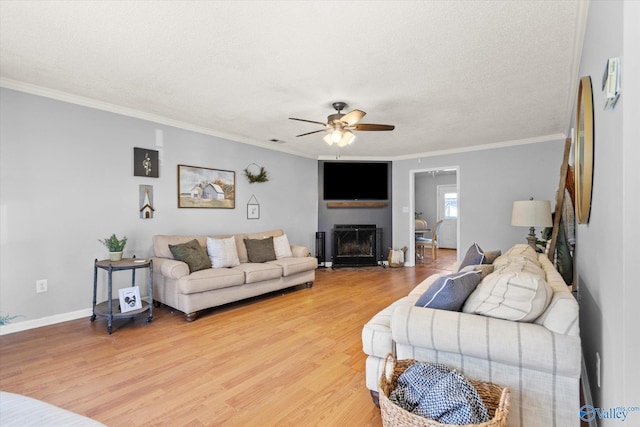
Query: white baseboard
(44, 321)
(586, 390)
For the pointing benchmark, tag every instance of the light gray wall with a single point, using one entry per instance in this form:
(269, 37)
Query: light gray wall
(607, 247)
(489, 182)
(67, 180)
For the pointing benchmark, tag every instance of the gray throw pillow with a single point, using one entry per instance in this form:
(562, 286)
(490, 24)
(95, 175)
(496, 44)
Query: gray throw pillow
(260, 250)
(451, 291)
(474, 256)
(191, 253)
(490, 256)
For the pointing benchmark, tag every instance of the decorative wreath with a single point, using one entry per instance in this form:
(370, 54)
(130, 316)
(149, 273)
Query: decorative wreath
(262, 175)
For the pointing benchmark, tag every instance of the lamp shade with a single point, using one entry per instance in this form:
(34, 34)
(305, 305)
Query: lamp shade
(531, 213)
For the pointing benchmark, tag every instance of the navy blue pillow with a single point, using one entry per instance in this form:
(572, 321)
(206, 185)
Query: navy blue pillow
(451, 291)
(474, 256)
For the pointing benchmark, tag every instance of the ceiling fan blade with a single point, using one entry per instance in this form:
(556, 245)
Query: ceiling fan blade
(309, 133)
(308, 121)
(371, 126)
(353, 117)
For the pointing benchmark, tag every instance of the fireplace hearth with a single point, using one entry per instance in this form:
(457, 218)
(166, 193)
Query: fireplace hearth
(356, 245)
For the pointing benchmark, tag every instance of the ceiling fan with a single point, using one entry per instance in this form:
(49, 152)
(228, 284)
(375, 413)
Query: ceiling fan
(339, 126)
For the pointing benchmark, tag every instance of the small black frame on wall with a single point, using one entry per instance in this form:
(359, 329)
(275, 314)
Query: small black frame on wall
(145, 163)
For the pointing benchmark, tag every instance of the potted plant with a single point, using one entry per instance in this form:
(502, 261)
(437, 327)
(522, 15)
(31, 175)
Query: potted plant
(115, 246)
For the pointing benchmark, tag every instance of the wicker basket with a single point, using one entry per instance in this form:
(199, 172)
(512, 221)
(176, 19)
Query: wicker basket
(396, 264)
(495, 398)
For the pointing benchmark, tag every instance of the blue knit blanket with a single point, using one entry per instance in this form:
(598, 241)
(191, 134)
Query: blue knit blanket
(439, 393)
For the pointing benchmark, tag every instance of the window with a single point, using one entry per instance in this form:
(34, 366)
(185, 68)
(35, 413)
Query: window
(450, 205)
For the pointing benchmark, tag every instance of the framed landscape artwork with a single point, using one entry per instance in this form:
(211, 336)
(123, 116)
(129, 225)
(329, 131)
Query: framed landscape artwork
(200, 187)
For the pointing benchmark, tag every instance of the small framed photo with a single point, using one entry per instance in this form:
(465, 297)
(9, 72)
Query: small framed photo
(253, 211)
(129, 299)
(145, 163)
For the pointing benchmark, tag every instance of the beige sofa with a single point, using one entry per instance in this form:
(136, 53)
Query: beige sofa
(176, 286)
(539, 359)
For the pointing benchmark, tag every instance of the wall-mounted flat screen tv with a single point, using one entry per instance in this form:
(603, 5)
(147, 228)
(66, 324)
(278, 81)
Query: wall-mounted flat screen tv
(356, 180)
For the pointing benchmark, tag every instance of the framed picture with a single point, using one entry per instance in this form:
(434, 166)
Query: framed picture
(145, 163)
(200, 187)
(253, 211)
(129, 299)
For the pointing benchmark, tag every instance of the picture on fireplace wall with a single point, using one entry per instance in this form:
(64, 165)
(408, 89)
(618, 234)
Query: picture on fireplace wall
(200, 187)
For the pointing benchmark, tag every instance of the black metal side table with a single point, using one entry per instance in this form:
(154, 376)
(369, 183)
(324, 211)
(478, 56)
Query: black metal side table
(105, 308)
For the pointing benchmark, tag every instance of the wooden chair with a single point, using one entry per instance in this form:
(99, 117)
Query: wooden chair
(423, 242)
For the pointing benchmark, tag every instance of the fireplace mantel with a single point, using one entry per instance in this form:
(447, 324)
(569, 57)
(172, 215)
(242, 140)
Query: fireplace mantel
(357, 204)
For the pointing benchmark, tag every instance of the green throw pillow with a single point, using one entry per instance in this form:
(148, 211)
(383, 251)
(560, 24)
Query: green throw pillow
(260, 250)
(191, 253)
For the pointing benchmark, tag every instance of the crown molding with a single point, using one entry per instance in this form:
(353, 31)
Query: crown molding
(130, 112)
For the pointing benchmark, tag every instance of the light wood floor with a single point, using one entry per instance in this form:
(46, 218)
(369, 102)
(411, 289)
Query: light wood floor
(288, 359)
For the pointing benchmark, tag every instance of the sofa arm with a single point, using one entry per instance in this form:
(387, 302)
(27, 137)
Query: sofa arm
(300, 251)
(170, 268)
(524, 345)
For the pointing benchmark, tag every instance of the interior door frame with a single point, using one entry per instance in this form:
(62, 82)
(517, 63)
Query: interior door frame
(412, 208)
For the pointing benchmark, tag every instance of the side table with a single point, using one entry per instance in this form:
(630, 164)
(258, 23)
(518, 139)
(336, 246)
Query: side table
(106, 308)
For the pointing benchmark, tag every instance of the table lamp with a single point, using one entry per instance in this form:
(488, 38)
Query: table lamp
(531, 213)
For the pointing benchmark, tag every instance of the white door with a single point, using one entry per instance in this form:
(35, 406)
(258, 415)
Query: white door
(448, 212)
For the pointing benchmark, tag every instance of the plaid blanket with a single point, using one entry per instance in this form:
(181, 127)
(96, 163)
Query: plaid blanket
(439, 393)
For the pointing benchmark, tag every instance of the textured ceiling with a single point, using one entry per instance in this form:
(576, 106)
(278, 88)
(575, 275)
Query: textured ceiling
(449, 75)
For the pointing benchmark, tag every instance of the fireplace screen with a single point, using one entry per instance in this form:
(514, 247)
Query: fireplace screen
(355, 245)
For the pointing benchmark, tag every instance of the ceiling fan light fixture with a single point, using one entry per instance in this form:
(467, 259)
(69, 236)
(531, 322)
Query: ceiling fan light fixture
(347, 138)
(336, 135)
(338, 126)
(328, 139)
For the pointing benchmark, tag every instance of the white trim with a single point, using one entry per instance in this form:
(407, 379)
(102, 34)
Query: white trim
(45, 321)
(586, 391)
(130, 112)
(491, 146)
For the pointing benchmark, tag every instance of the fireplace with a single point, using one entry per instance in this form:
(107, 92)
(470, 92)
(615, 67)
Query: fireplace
(356, 244)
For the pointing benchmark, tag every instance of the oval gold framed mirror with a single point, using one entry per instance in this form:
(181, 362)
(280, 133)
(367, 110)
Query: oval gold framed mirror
(583, 151)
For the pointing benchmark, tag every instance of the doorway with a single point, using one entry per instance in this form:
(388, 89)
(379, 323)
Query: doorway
(423, 203)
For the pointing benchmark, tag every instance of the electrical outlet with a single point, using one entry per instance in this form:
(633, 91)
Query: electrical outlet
(41, 285)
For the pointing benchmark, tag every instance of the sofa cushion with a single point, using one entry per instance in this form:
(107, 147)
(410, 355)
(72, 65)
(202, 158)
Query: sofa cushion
(473, 256)
(282, 247)
(562, 314)
(258, 272)
(510, 295)
(376, 333)
(260, 250)
(451, 291)
(521, 251)
(209, 279)
(191, 253)
(295, 265)
(222, 252)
